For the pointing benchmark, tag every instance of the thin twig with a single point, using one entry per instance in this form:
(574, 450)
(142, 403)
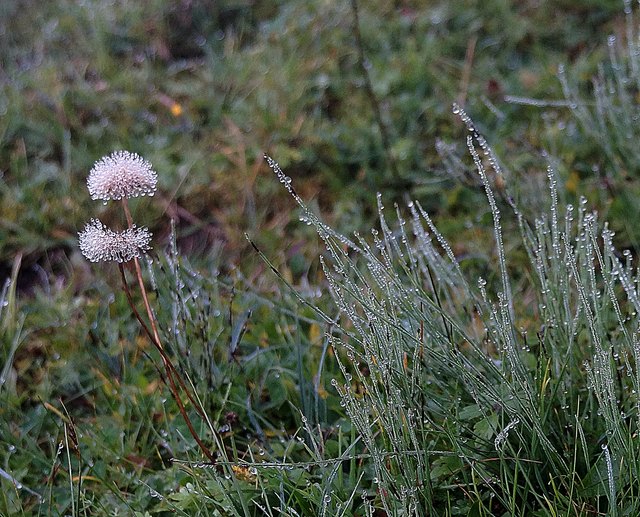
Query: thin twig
(375, 102)
(466, 71)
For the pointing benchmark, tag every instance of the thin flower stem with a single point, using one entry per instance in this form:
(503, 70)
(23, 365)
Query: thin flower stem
(165, 359)
(143, 290)
(170, 370)
(127, 291)
(155, 339)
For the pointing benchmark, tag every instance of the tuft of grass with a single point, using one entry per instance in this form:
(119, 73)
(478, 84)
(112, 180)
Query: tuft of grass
(514, 396)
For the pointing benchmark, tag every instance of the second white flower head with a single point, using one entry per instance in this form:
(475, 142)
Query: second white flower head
(100, 244)
(121, 175)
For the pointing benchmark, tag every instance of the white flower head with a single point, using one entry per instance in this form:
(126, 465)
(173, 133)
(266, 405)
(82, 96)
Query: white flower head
(121, 175)
(100, 244)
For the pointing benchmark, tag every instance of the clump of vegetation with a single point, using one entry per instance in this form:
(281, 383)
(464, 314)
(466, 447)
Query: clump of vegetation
(518, 395)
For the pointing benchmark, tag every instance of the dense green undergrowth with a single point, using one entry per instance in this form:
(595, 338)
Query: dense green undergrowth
(383, 379)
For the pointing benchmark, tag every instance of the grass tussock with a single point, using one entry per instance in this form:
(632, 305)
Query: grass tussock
(489, 397)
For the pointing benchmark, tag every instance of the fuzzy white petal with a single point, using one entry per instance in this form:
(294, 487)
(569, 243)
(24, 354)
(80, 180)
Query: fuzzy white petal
(121, 175)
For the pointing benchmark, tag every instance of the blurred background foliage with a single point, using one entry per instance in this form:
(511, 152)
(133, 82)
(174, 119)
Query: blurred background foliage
(203, 89)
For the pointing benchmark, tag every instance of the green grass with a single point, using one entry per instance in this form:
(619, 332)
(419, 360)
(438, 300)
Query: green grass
(383, 378)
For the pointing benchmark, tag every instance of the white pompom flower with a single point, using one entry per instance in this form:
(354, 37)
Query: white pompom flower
(121, 175)
(100, 244)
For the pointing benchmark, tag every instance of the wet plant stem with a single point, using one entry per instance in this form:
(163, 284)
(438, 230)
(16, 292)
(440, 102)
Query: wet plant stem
(154, 336)
(165, 359)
